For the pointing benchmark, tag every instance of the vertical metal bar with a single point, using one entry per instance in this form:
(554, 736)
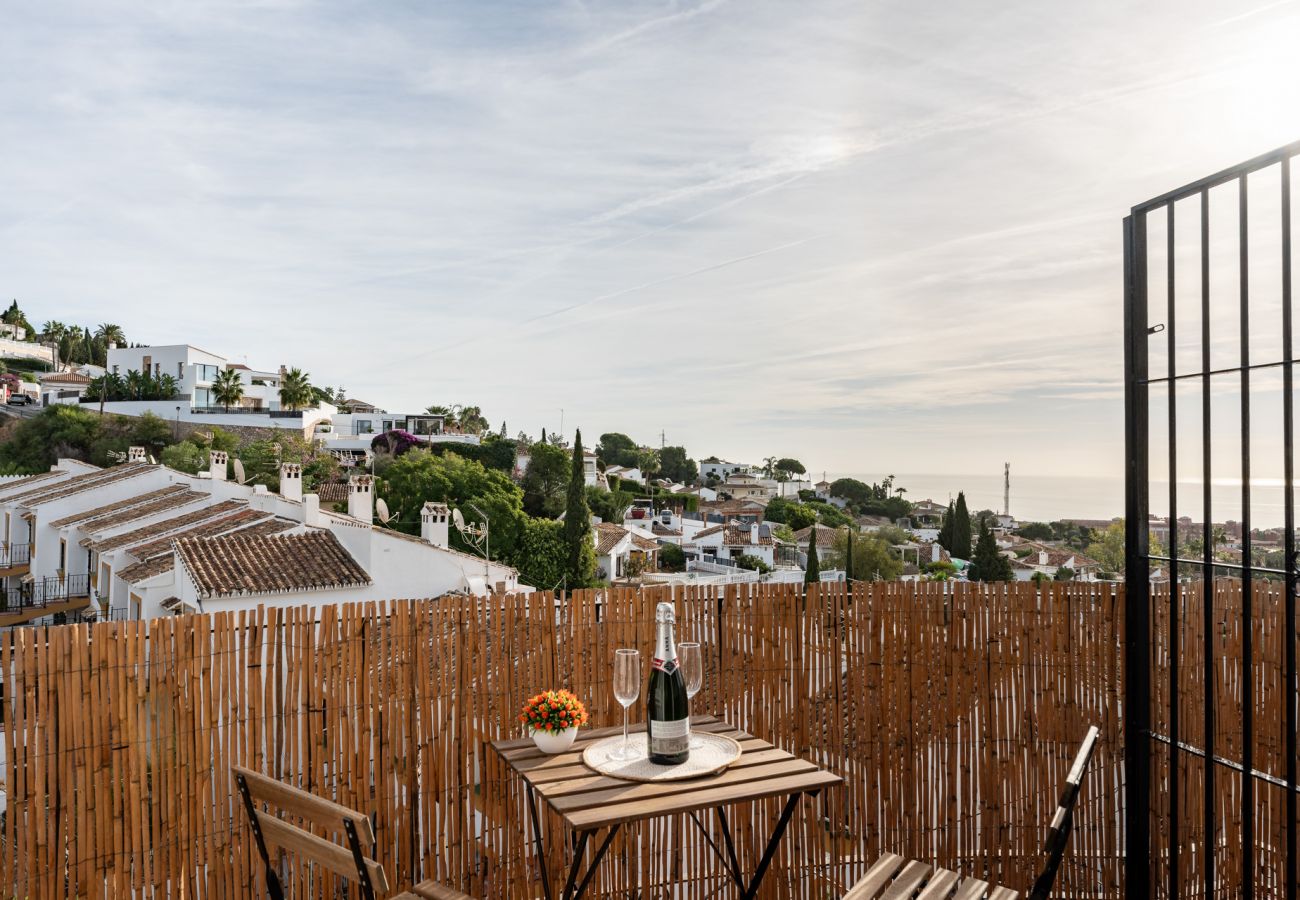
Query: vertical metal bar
(1175, 592)
(1289, 691)
(1247, 583)
(1207, 581)
(1137, 579)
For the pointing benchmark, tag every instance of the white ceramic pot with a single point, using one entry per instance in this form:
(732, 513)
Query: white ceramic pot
(557, 741)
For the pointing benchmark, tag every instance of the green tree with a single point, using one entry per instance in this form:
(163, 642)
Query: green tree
(856, 492)
(812, 571)
(946, 528)
(828, 514)
(57, 431)
(1035, 531)
(14, 316)
(546, 481)
(295, 389)
(1108, 549)
(785, 468)
(228, 388)
(961, 529)
(615, 449)
(672, 558)
(185, 457)
(580, 568)
(676, 466)
(419, 476)
(608, 506)
(799, 516)
(1040, 579)
(1064, 573)
(110, 333)
(543, 554)
(988, 564)
(753, 564)
(647, 461)
(873, 558)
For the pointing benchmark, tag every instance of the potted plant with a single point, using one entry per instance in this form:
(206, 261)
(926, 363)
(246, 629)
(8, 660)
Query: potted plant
(552, 718)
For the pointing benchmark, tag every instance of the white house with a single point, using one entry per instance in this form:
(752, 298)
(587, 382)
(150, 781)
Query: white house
(617, 548)
(627, 473)
(726, 544)
(81, 538)
(721, 469)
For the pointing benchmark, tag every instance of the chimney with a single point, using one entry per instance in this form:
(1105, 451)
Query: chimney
(1042, 557)
(217, 464)
(291, 481)
(136, 455)
(361, 498)
(311, 516)
(753, 533)
(433, 523)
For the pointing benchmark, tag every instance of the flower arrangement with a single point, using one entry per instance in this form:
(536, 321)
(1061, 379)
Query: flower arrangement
(553, 712)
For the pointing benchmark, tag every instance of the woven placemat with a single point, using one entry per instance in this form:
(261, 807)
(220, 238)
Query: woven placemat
(717, 752)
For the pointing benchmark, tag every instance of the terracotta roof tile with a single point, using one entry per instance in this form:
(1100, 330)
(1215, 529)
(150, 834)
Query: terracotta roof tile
(79, 483)
(711, 530)
(158, 529)
(208, 528)
(608, 536)
(743, 537)
(825, 535)
(659, 528)
(157, 564)
(235, 564)
(644, 543)
(176, 494)
(332, 491)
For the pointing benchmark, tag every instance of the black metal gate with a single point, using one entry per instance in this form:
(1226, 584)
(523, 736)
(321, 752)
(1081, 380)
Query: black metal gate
(1207, 308)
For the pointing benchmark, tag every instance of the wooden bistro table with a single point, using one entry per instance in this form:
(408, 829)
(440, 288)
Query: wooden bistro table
(588, 802)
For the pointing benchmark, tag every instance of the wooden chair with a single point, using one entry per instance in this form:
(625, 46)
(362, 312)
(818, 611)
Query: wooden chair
(346, 860)
(894, 878)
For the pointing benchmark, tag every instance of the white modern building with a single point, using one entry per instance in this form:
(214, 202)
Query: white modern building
(721, 469)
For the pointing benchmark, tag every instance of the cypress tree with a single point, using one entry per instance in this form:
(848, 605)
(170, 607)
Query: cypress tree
(848, 558)
(961, 536)
(581, 562)
(989, 564)
(812, 573)
(945, 530)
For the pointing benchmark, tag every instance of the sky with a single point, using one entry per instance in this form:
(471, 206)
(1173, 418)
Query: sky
(875, 236)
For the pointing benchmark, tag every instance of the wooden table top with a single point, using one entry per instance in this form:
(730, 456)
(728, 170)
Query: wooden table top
(587, 800)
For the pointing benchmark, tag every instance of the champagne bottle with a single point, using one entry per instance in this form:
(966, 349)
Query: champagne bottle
(668, 727)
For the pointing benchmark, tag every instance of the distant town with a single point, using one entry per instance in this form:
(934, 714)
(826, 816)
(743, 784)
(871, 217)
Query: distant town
(145, 480)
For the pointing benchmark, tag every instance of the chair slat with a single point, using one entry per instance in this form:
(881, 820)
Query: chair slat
(940, 886)
(431, 890)
(907, 882)
(971, 889)
(877, 877)
(317, 810)
(1001, 893)
(332, 856)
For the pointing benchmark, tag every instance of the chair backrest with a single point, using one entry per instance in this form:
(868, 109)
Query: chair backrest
(1058, 833)
(348, 859)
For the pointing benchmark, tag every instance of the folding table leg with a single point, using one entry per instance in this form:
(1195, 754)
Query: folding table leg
(537, 842)
(771, 847)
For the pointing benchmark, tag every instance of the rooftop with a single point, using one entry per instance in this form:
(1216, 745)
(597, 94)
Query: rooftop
(261, 564)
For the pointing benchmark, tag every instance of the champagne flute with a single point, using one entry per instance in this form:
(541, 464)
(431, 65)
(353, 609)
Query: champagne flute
(627, 687)
(692, 663)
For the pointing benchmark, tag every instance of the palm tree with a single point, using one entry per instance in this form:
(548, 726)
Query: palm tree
(134, 384)
(295, 389)
(444, 411)
(228, 388)
(110, 334)
(166, 387)
(53, 330)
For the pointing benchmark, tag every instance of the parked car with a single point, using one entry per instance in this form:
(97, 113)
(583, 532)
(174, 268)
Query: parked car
(21, 400)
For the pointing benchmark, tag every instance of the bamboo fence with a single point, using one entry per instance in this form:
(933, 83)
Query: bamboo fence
(952, 712)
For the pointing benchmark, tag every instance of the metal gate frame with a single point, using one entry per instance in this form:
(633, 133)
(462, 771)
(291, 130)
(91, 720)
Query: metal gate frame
(1138, 735)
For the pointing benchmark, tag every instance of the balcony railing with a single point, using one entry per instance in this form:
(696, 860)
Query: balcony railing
(15, 554)
(44, 592)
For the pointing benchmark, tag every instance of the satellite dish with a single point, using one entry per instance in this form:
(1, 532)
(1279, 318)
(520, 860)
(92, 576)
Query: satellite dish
(382, 509)
(458, 520)
(239, 471)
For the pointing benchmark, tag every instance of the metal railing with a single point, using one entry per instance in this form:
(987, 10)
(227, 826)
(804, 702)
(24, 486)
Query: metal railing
(15, 554)
(44, 592)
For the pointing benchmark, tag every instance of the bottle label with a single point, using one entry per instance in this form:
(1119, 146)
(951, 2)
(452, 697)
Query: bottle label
(669, 738)
(667, 666)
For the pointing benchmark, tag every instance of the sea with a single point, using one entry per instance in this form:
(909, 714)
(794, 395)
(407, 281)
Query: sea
(1043, 498)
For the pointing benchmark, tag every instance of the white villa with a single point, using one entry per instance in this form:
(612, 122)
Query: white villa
(140, 540)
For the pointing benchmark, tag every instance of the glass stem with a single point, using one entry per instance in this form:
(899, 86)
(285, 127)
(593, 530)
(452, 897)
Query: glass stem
(625, 740)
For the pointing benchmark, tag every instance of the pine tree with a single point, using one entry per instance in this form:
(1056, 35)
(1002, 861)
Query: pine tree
(961, 543)
(988, 564)
(812, 573)
(581, 565)
(945, 530)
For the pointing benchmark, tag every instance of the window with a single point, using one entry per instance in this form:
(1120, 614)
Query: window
(114, 370)
(388, 424)
(180, 370)
(202, 397)
(206, 373)
(363, 426)
(424, 425)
